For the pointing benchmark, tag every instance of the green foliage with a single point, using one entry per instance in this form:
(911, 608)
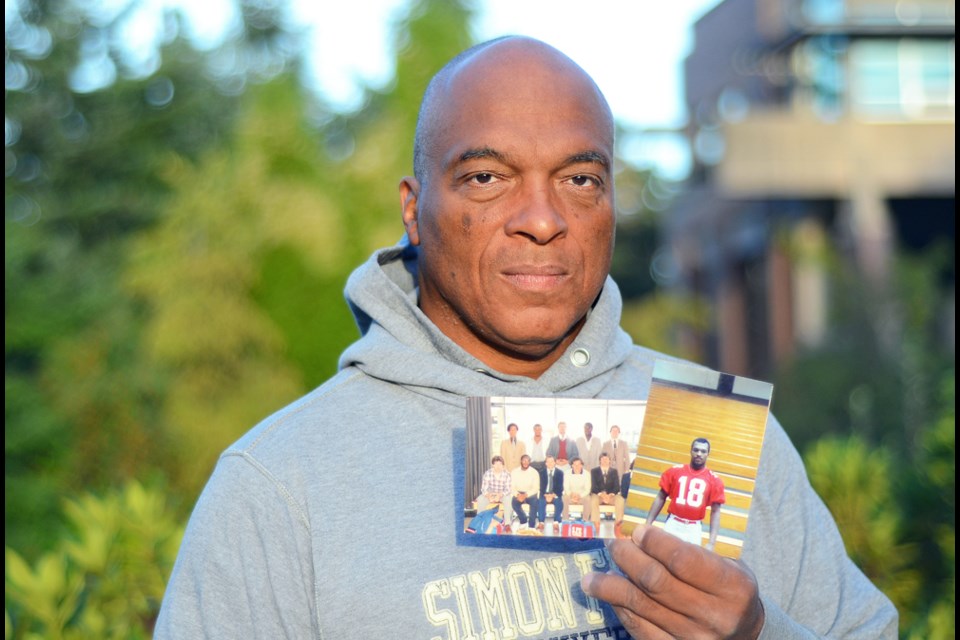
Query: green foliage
(929, 498)
(82, 177)
(106, 580)
(660, 321)
(856, 481)
(899, 521)
(873, 410)
(222, 354)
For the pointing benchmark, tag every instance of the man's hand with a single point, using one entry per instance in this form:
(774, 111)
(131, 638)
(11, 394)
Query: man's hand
(674, 589)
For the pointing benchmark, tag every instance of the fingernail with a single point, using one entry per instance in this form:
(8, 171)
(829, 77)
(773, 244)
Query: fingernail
(586, 582)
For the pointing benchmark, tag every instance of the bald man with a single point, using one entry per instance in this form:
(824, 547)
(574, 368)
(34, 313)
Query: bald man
(499, 287)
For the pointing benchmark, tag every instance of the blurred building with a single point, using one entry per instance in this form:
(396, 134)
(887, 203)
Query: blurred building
(813, 123)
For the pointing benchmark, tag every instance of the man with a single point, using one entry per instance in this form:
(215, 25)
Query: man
(499, 288)
(495, 484)
(605, 490)
(512, 449)
(618, 450)
(562, 447)
(538, 449)
(576, 490)
(690, 487)
(551, 492)
(526, 491)
(589, 447)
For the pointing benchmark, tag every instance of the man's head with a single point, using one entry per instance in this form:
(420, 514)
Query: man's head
(587, 430)
(497, 463)
(550, 461)
(512, 430)
(577, 465)
(604, 462)
(537, 431)
(511, 207)
(614, 432)
(524, 461)
(562, 429)
(699, 452)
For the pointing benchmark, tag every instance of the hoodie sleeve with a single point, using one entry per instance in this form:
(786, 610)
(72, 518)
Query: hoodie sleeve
(244, 565)
(809, 586)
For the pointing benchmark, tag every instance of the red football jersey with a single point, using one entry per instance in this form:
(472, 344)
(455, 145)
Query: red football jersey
(691, 492)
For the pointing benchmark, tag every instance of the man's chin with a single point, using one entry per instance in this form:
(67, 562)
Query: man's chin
(535, 345)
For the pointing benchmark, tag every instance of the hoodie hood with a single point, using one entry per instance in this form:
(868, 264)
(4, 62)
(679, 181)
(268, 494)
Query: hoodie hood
(401, 345)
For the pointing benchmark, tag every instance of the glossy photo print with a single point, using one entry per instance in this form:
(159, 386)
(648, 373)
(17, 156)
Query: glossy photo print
(697, 456)
(549, 466)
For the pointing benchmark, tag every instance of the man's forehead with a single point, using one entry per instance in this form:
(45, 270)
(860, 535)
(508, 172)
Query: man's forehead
(510, 74)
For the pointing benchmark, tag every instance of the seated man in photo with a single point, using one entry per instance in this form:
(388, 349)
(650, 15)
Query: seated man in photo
(551, 491)
(605, 486)
(526, 490)
(576, 490)
(495, 485)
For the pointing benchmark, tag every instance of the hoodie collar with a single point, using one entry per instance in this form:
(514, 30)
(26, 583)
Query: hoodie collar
(400, 344)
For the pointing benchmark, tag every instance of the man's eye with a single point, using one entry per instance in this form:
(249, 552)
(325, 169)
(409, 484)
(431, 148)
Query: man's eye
(584, 181)
(483, 178)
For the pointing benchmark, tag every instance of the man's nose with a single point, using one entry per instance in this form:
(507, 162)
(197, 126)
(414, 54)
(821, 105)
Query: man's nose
(538, 216)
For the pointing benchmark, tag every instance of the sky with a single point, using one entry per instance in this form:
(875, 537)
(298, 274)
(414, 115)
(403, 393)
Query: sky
(634, 49)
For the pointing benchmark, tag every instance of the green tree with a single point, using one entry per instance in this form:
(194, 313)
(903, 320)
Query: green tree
(89, 131)
(82, 176)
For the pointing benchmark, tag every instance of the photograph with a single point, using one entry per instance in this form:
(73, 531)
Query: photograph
(554, 467)
(696, 462)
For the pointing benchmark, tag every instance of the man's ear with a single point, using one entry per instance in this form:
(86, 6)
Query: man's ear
(409, 201)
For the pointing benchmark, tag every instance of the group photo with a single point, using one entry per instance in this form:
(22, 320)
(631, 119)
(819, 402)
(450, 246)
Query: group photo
(549, 466)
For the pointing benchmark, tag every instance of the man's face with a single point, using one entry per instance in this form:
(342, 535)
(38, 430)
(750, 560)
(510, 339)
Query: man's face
(525, 462)
(615, 433)
(498, 466)
(605, 463)
(551, 463)
(578, 466)
(537, 431)
(512, 431)
(515, 221)
(698, 455)
(588, 430)
(562, 429)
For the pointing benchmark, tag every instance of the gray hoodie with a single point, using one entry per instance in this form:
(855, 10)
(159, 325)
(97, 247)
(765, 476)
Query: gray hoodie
(341, 516)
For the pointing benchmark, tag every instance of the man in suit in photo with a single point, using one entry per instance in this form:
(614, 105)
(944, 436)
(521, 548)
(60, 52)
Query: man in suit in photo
(618, 450)
(605, 486)
(551, 492)
(589, 447)
(512, 449)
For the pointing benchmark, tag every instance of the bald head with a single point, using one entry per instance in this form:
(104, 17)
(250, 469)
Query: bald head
(511, 208)
(504, 63)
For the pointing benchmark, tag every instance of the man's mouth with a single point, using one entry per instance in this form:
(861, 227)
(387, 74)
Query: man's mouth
(535, 278)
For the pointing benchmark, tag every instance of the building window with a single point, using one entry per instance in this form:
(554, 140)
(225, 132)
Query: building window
(903, 79)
